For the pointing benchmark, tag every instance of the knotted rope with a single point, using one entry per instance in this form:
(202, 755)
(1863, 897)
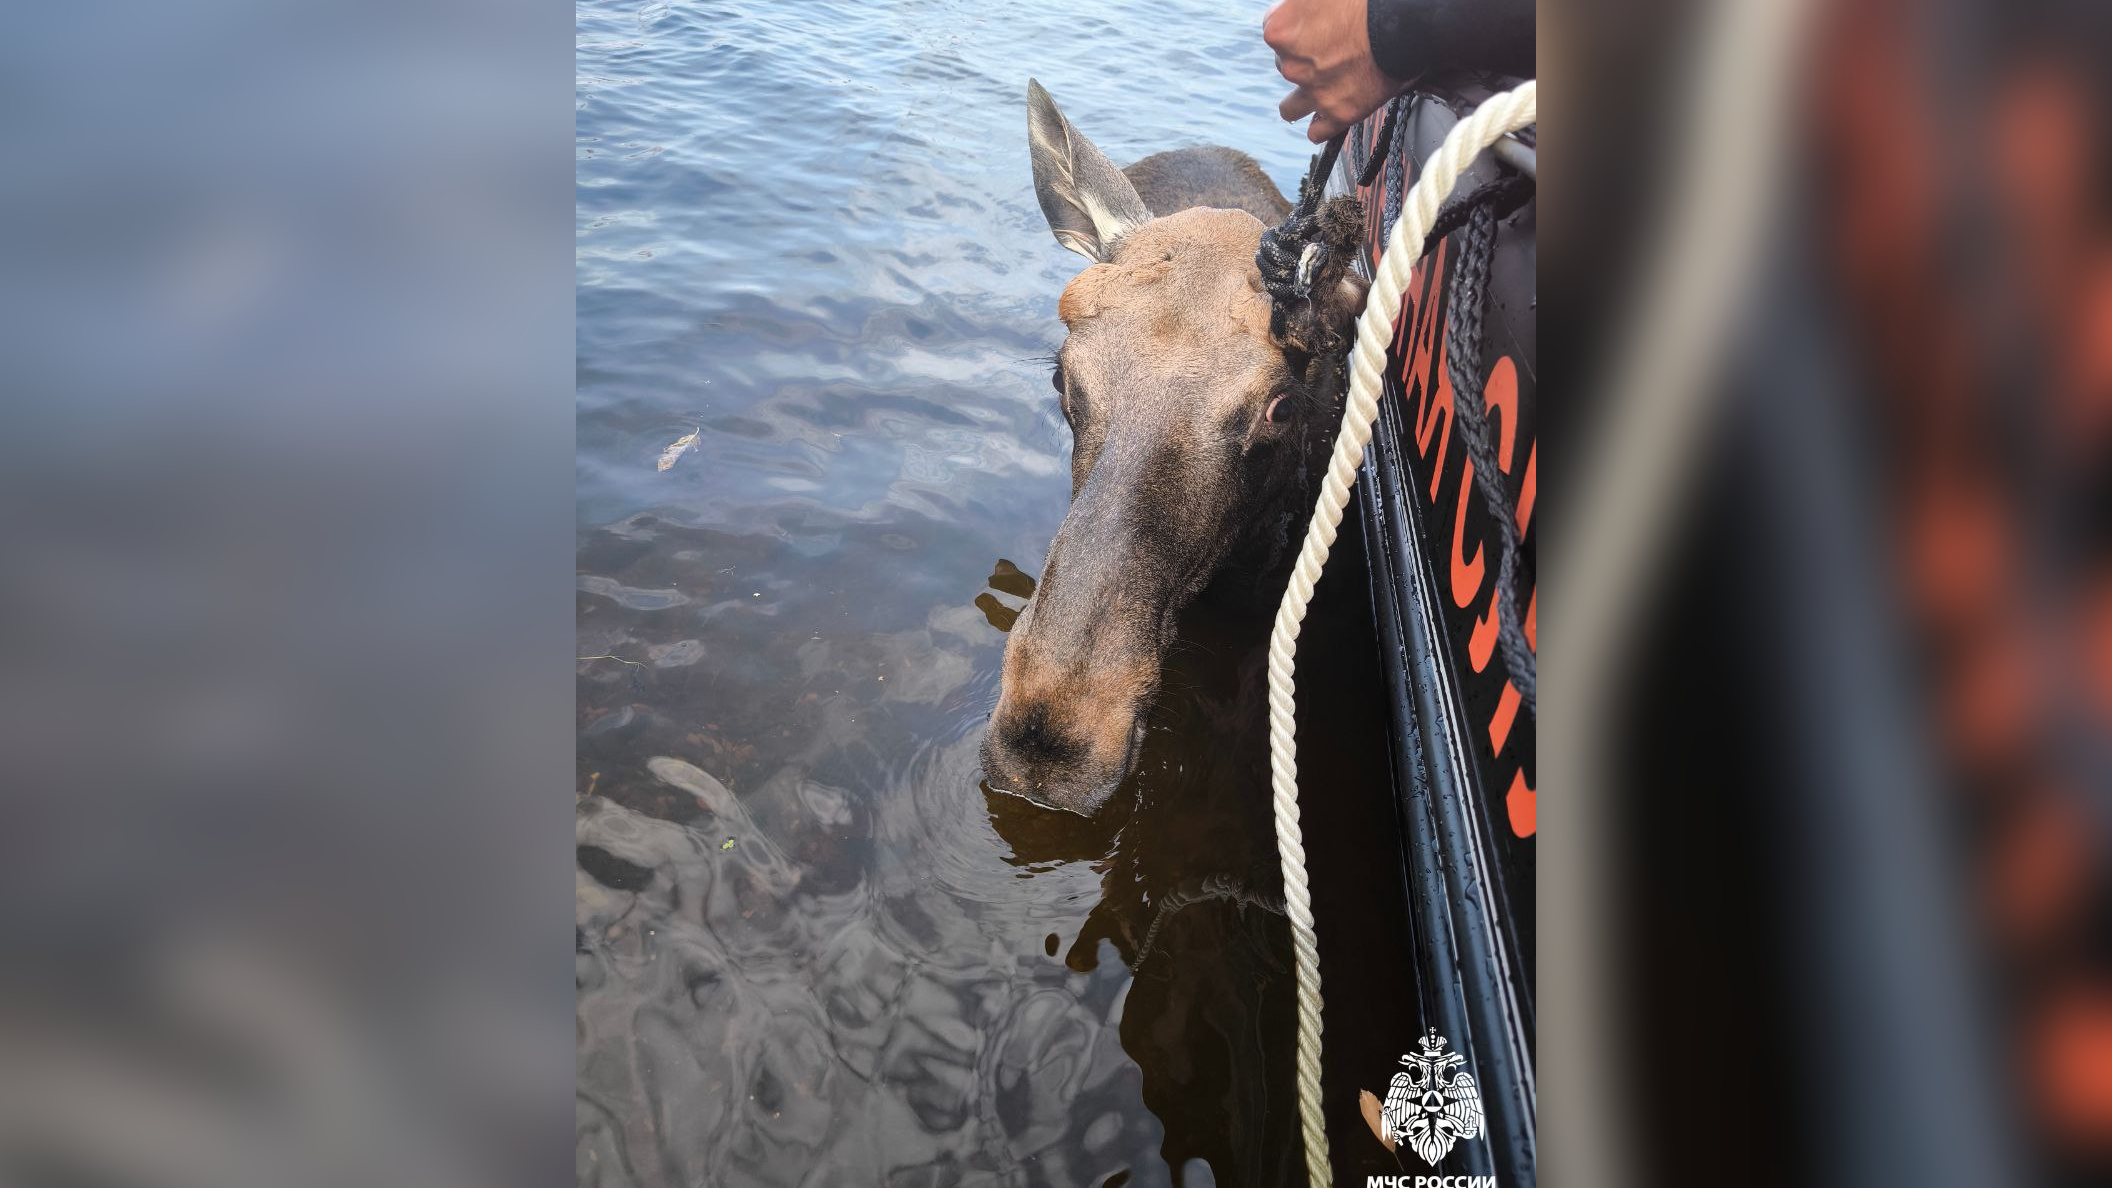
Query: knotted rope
(1501, 114)
(1307, 253)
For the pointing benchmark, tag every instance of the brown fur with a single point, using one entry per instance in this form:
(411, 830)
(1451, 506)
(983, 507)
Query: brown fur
(1177, 476)
(1211, 175)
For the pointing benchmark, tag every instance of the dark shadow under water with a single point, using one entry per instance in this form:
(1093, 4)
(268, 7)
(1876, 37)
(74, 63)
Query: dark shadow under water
(1191, 891)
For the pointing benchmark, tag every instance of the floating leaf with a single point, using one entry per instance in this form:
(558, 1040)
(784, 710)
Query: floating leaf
(1369, 1103)
(682, 444)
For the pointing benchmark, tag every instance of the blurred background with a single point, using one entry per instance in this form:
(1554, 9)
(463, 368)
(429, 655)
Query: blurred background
(286, 463)
(1831, 666)
(285, 699)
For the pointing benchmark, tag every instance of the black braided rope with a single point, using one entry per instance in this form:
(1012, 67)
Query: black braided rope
(1396, 184)
(1500, 197)
(1476, 213)
(1466, 304)
(1313, 221)
(1358, 144)
(1395, 107)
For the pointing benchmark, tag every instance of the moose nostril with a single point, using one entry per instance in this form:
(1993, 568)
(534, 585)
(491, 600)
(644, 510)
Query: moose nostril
(1043, 751)
(1036, 737)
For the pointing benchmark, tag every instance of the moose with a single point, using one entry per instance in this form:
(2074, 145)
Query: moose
(1200, 427)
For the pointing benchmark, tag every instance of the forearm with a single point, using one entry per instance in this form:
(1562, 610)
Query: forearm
(1412, 37)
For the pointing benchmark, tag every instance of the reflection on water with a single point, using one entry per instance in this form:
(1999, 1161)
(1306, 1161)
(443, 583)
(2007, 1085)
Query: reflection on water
(813, 949)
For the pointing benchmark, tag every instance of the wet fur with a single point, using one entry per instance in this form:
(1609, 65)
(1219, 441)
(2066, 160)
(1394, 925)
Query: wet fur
(1216, 176)
(1181, 488)
(1210, 175)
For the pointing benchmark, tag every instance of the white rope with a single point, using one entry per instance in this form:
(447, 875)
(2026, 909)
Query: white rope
(1503, 113)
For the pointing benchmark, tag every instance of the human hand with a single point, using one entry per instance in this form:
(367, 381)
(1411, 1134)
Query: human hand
(1323, 48)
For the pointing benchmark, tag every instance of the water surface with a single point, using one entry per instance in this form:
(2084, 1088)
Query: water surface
(812, 948)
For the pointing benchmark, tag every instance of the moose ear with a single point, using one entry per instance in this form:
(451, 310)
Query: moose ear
(1088, 202)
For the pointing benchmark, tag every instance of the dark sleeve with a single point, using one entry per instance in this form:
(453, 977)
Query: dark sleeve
(1412, 37)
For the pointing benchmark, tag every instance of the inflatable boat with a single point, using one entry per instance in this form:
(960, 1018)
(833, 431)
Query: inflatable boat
(1461, 720)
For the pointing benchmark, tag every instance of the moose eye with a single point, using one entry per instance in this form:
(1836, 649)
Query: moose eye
(1277, 412)
(1056, 379)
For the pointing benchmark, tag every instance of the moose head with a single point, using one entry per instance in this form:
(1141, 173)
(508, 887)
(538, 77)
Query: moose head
(1198, 431)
